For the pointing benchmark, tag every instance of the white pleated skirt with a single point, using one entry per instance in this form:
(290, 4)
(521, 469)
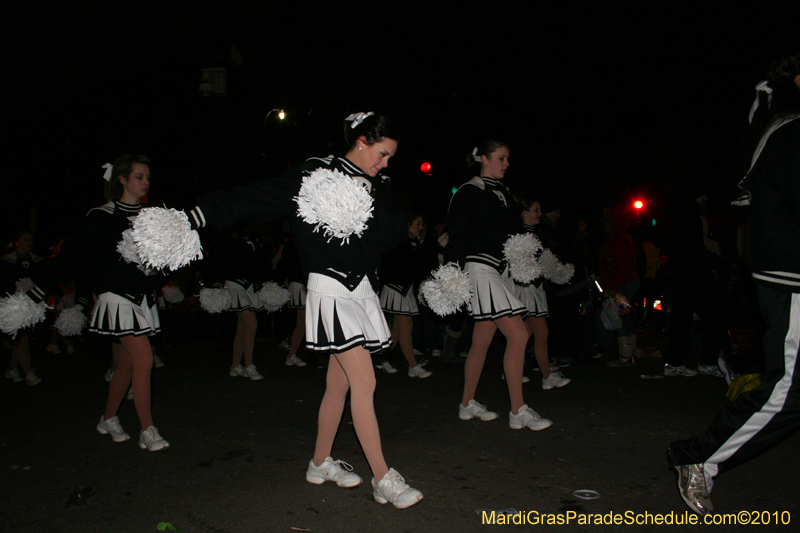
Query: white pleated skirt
(396, 304)
(244, 298)
(493, 294)
(338, 320)
(118, 316)
(534, 298)
(297, 291)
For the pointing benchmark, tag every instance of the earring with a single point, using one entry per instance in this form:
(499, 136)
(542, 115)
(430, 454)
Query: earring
(359, 148)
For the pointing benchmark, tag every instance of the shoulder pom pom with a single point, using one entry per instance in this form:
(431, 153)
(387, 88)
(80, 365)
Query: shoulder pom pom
(215, 300)
(555, 270)
(273, 296)
(335, 202)
(71, 321)
(18, 311)
(173, 294)
(520, 251)
(447, 290)
(164, 238)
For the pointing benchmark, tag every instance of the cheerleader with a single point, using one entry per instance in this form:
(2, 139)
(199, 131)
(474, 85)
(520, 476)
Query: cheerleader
(480, 220)
(397, 295)
(126, 293)
(535, 299)
(17, 266)
(343, 314)
(234, 266)
(289, 269)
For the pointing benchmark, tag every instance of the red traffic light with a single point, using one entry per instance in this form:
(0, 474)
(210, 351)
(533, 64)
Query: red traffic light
(425, 167)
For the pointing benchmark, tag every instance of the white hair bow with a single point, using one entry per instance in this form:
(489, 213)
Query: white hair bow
(358, 118)
(107, 174)
(759, 88)
(475, 155)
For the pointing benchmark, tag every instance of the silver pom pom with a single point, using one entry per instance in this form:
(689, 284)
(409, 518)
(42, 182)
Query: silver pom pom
(273, 296)
(173, 294)
(18, 311)
(71, 321)
(164, 238)
(447, 290)
(520, 251)
(555, 270)
(336, 202)
(215, 300)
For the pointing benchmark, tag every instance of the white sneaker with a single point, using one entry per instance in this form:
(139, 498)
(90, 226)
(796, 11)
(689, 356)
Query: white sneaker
(417, 352)
(393, 488)
(525, 379)
(386, 367)
(556, 379)
(236, 371)
(150, 440)
(418, 371)
(710, 370)
(113, 427)
(475, 410)
(130, 393)
(157, 362)
(252, 373)
(332, 470)
(527, 417)
(294, 360)
(729, 374)
(13, 375)
(436, 353)
(32, 379)
(109, 375)
(672, 371)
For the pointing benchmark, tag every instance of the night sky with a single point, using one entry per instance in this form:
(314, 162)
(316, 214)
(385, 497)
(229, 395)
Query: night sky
(599, 104)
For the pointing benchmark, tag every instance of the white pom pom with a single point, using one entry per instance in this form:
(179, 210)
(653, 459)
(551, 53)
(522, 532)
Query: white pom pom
(173, 294)
(71, 321)
(273, 296)
(520, 251)
(127, 248)
(447, 290)
(25, 284)
(215, 300)
(164, 238)
(336, 202)
(555, 270)
(18, 311)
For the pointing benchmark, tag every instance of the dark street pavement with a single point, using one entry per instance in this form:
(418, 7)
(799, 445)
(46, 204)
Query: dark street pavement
(239, 449)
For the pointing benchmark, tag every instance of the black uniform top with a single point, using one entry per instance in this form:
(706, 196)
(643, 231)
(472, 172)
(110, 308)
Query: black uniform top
(288, 267)
(236, 259)
(774, 181)
(92, 253)
(480, 219)
(347, 262)
(14, 266)
(403, 265)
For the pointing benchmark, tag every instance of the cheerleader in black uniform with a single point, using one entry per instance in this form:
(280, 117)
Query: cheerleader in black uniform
(19, 265)
(289, 269)
(236, 268)
(480, 219)
(535, 299)
(126, 293)
(343, 313)
(397, 295)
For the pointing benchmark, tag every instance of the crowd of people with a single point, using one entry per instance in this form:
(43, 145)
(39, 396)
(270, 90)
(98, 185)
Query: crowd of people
(345, 289)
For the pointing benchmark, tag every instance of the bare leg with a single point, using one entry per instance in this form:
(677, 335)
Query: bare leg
(482, 337)
(298, 333)
(116, 349)
(537, 326)
(401, 332)
(21, 354)
(245, 339)
(514, 359)
(353, 367)
(135, 364)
